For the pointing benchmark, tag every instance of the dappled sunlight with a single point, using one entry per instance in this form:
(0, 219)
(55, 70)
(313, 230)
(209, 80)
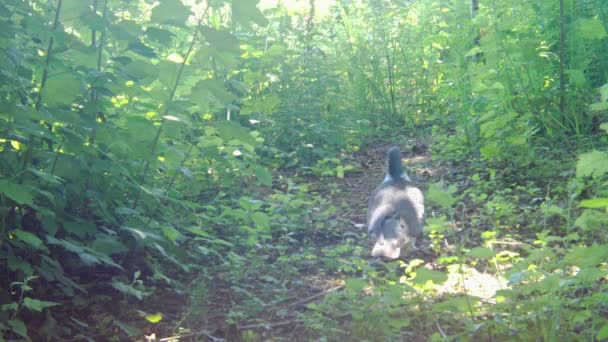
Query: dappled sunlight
(469, 281)
(202, 170)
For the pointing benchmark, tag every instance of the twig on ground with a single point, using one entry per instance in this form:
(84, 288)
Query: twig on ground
(316, 295)
(266, 325)
(152, 338)
(441, 330)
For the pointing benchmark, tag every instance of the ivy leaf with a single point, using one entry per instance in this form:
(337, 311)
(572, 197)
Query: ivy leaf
(37, 305)
(17, 192)
(263, 175)
(171, 12)
(28, 238)
(594, 164)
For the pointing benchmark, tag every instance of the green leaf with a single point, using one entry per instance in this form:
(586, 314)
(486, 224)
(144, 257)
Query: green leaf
(598, 106)
(604, 93)
(160, 36)
(591, 29)
(593, 164)
(154, 318)
(230, 130)
(261, 220)
(17, 192)
(17, 264)
(47, 176)
(19, 328)
(340, 171)
(171, 12)
(38, 305)
(61, 90)
(595, 203)
(424, 275)
(171, 233)
(222, 242)
(263, 175)
(108, 244)
(28, 238)
(198, 231)
(482, 253)
(603, 333)
(245, 11)
(142, 49)
(436, 194)
(221, 40)
(211, 91)
(592, 219)
(72, 9)
(355, 285)
(584, 257)
(129, 290)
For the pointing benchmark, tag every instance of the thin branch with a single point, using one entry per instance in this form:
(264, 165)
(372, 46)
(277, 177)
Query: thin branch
(316, 295)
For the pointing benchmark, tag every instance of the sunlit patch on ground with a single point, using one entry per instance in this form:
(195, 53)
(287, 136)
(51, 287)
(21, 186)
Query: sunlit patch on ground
(467, 280)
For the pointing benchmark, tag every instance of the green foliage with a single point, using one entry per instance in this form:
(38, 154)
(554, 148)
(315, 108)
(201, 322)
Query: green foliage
(145, 144)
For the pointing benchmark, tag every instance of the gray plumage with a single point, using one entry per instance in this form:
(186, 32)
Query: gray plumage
(396, 211)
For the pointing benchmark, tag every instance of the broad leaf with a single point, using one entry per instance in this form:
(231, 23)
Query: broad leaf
(154, 318)
(28, 238)
(245, 11)
(62, 89)
(595, 203)
(38, 305)
(17, 192)
(584, 257)
(263, 175)
(592, 29)
(172, 12)
(424, 275)
(18, 327)
(592, 164)
(261, 220)
(481, 253)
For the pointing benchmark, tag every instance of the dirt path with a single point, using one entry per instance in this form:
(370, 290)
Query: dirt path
(280, 321)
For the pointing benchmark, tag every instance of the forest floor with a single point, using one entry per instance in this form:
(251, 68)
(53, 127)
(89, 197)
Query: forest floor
(280, 320)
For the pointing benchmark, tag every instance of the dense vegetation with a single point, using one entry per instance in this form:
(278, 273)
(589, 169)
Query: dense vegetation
(182, 167)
